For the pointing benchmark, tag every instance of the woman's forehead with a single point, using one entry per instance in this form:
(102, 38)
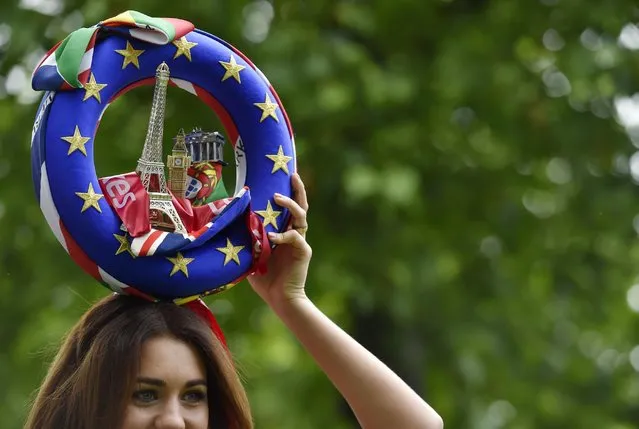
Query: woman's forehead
(169, 359)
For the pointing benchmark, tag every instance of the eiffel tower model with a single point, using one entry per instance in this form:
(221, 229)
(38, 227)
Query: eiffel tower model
(162, 213)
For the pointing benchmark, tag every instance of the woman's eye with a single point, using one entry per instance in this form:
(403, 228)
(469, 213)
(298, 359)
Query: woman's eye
(145, 396)
(195, 396)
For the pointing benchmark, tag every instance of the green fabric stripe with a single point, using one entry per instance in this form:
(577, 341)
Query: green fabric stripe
(160, 24)
(218, 193)
(69, 54)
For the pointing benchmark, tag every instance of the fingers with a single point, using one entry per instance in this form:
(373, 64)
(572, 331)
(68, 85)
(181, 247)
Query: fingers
(297, 206)
(292, 237)
(300, 192)
(299, 214)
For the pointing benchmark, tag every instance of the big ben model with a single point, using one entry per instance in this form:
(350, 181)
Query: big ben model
(178, 162)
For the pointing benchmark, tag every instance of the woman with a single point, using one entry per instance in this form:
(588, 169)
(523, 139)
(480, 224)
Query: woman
(131, 364)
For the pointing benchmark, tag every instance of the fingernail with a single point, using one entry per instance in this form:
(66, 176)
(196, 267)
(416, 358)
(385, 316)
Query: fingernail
(272, 235)
(278, 195)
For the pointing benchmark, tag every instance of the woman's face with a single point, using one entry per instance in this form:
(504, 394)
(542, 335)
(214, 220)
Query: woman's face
(170, 390)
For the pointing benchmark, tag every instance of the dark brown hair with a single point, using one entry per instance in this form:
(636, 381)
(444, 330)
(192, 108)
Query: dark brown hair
(89, 382)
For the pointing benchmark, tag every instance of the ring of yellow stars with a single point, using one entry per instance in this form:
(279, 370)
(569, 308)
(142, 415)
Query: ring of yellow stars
(230, 252)
(130, 55)
(183, 48)
(280, 161)
(93, 89)
(268, 109)
(269, 215)
(125, 246)
(233, 69)
(90, 199)
(180, 264)
(76, 142)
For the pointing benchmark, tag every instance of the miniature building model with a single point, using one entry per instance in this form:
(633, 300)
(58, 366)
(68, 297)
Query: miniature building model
(162, 213)
(205, 146)
(196, 147)
(178, 162)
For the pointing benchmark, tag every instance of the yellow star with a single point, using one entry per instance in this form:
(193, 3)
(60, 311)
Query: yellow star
(180, 264)
(280, 161)
(130, 55)
(233, 69)
(125, 246)
(93, 89)
(183, 47)
(269, 215)
(76, 142)
(231, 252)
(268, 109)
(90, 199)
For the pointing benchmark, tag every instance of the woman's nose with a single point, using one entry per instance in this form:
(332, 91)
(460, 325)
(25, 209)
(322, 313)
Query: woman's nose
(170, 416)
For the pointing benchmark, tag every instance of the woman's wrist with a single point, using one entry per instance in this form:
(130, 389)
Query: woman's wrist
(282, 303)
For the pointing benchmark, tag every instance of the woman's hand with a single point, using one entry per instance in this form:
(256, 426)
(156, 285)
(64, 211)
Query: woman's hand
(285, 278)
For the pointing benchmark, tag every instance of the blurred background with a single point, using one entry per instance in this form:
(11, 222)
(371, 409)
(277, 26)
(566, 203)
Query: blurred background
(472, 169)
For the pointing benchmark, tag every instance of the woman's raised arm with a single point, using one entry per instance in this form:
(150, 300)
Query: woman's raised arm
(377, 396)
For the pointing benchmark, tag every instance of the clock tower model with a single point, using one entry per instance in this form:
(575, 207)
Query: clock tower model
(178, 163)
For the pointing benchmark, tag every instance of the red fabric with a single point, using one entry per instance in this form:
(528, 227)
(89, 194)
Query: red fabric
(130, 200)
(150, 241)
(193, 218)
(78, 255)
(126, 194)
(134, 292)
(261, 246)
(182, 27)
(200, 308)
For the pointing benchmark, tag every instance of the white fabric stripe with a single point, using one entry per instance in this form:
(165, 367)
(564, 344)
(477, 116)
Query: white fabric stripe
(151, 36)
(43, 108)
(214, 209)
(48, 208)
(102, 113)
(240, 166)
(157, 243)
(85, 64)
(185, 85)
(50, 61)
(193, 238)
(138, 242)
(263, 76)
(115, 284)
(294, 153)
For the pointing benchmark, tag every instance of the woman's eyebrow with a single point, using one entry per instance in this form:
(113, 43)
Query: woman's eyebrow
(193, 383)
(162, 383)
(152, 381)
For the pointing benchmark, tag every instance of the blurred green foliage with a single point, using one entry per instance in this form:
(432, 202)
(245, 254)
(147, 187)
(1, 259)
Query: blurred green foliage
(472, 179)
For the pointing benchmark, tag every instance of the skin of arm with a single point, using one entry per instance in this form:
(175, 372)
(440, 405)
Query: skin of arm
(378, 397)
